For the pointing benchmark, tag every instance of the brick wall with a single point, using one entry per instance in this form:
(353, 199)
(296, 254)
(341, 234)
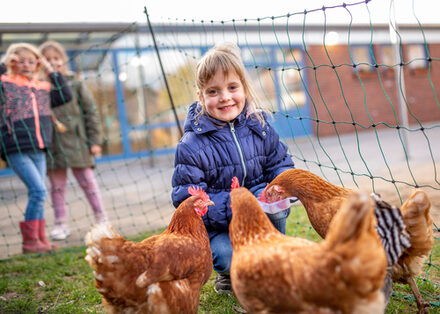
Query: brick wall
(368, 100)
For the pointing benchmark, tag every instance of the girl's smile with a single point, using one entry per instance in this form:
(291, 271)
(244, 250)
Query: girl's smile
(227, 108)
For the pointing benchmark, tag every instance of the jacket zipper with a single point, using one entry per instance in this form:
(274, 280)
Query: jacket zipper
(240, 152)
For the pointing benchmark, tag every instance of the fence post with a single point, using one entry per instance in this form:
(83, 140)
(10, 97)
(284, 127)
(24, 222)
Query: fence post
(163, 73)
(142, 99)
(399, 78)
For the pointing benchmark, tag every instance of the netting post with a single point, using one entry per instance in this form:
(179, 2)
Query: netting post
(163, 73)
(399, 78)
(142, 99)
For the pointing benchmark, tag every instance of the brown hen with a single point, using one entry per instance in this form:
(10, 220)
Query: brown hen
(161, 274)
(322, 200)
(418, 220)
(275, 273)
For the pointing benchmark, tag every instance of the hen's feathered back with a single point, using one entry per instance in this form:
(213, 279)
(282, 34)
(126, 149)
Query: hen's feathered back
(274, 273)
(416, 212)
(161, 274)
(405, 234)
(307, 185)
(391, 229)
(248, 219)
(419, 224)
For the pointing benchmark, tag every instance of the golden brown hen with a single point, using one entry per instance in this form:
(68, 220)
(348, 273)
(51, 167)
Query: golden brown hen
(322, 200)
(418, 220)
(161, 274)
(275, 273)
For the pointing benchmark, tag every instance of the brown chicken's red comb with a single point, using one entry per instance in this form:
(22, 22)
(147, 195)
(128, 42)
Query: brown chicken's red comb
(235, 183)
(197, 191)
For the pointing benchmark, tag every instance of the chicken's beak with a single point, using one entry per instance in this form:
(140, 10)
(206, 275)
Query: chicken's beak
(210, 203)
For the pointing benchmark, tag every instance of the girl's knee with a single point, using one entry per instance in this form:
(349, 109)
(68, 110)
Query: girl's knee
(57, 190)
(88, 186)
(221, 253)
(85, 178)
(222, 262)
(38, 195)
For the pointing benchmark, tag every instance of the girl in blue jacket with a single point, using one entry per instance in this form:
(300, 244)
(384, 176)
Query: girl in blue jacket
(226, 136)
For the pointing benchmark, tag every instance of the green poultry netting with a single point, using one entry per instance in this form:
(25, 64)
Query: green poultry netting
(356, 103)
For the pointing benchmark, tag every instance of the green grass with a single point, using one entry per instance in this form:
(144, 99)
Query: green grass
(63, 282)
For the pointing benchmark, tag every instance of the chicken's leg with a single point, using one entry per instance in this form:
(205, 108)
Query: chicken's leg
(421, 304)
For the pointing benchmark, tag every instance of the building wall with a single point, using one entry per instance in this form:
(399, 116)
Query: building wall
(339, 94)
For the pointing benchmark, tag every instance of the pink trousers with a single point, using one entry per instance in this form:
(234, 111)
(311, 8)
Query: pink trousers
(86, 179)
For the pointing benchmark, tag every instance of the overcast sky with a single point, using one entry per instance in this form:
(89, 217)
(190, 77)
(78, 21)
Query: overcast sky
(41, 11)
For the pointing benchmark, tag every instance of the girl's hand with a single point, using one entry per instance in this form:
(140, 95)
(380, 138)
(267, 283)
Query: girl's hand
(47, 67)
(10, 59)
(96, 150)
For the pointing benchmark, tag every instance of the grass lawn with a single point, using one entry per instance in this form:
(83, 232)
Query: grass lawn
(62, 282)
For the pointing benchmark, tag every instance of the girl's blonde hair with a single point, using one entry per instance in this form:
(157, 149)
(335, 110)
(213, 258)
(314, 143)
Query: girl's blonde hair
(13, 49)
(51, 44)
(227, 58)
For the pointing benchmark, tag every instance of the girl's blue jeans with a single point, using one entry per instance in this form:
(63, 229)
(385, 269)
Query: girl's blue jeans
(30, 167)
(221, 246)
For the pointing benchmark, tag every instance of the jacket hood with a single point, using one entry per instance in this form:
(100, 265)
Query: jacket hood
(200, 124)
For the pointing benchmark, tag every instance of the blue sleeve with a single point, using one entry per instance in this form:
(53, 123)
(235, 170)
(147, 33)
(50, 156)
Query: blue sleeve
(3, 68)
(187, 172)
(278, 158)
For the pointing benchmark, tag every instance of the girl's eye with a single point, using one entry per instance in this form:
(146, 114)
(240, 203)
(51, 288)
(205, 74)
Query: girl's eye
(212, 92)
(24, 61)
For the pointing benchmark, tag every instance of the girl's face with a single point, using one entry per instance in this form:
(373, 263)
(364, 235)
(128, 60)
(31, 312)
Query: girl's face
(223, 96)
(55, 59)
(26, 64)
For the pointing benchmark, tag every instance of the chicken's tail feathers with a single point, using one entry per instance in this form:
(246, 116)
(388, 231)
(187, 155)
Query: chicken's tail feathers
(391, 229)
(93, 241)
(354, 218)
(416, 213)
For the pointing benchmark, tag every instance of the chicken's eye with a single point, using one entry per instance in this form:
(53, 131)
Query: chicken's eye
(198, 204)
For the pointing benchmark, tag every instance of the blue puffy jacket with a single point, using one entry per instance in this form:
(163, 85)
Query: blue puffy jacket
(212, 152)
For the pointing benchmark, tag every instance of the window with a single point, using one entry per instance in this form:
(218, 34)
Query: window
(255, 56)
(292, 93)
(387, 60)
(387, 57)
(362, 58)
(289, 57)
(416, 57)
(264, 86)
